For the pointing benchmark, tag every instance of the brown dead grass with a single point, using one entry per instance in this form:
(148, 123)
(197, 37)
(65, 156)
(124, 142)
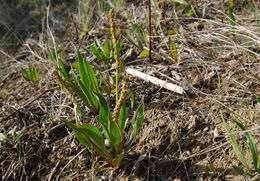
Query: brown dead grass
(180, 133)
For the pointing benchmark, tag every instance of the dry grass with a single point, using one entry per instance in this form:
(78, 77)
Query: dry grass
(218, 68)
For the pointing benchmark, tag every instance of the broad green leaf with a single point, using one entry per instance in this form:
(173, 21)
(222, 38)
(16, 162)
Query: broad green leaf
(108, 30)
(89, 82)
(118, 30)
(89, 100)
(69, 124)
(82, 139)
(144, 53)
(79, 136)
(95, 138)
(30, 68)
(137, 119)
(106, 49)
(115, 136)
(252, 145)
(92, 77)
(123, 117)
(173, 50)
(239, 170)
(98, 54)
(25, 74)
(258, 99)
(88, 97)
(91, 137)
(104, 110)
(83, 72)
(113, 133)
(235, 145)
(53, 57)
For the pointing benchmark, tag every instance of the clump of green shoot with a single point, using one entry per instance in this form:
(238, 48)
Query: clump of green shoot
(15, 141)
(30, 75)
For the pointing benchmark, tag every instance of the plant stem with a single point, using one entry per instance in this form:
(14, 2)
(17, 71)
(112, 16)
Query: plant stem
(150, 32)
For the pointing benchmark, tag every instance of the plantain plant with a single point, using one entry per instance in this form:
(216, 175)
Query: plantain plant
(90, 136)
(113, 123)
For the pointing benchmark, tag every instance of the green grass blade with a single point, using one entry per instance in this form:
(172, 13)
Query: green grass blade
(131, 40)
(25, 74)
(232, 19)
(119, 48)
(35, 74)
(64, 71)
(252, 145)
(137, 119)
(132, 99)
(17, 137)
(30, 68)
(235, 145)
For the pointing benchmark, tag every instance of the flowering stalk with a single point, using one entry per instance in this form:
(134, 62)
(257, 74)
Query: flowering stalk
(113, 33)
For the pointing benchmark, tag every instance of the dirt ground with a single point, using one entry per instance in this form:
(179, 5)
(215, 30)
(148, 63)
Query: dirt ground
(182, 135)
